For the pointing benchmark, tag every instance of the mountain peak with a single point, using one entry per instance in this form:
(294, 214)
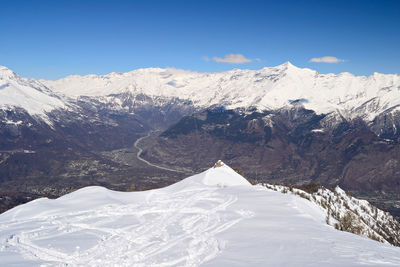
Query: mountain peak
(6, 73)
(218, 164)
(221, 175)
(289, 68)
(3, 68)
(28, 94)
(287, 65)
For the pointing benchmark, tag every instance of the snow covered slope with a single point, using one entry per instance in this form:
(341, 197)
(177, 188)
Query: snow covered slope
(24, 93)
(268, 88)
(215, 218)
(349, 214)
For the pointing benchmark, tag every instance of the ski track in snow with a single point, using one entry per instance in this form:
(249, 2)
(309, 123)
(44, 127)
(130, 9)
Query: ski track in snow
(164, 230)
(140, 150)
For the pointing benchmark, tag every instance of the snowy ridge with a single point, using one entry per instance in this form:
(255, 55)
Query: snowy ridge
(28, 94)
(268, 88)
(350, 214)
(215, 218)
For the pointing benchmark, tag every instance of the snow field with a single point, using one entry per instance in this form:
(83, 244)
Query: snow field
(215, 218)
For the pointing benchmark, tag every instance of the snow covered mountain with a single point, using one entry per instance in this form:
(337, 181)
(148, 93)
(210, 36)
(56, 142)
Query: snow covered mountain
(270, 88)
(215, 218)
(267, 89)
(27, 94)
(279, 124)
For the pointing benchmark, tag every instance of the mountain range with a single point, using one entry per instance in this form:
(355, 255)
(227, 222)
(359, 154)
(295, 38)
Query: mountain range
(280, 124)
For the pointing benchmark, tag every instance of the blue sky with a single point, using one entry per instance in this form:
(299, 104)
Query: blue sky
(53, 39)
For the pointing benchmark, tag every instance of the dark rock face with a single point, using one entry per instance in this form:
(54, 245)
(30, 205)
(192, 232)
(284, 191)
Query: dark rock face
(291, 145)
(386, 125)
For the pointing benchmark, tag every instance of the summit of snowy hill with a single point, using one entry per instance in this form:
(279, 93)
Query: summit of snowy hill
(267, 88)
(220, 175)
(191, 223)
(28, 94)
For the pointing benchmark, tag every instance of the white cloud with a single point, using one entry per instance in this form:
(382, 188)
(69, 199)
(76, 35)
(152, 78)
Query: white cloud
(326, 59)
(233, 59)
(206, 58)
